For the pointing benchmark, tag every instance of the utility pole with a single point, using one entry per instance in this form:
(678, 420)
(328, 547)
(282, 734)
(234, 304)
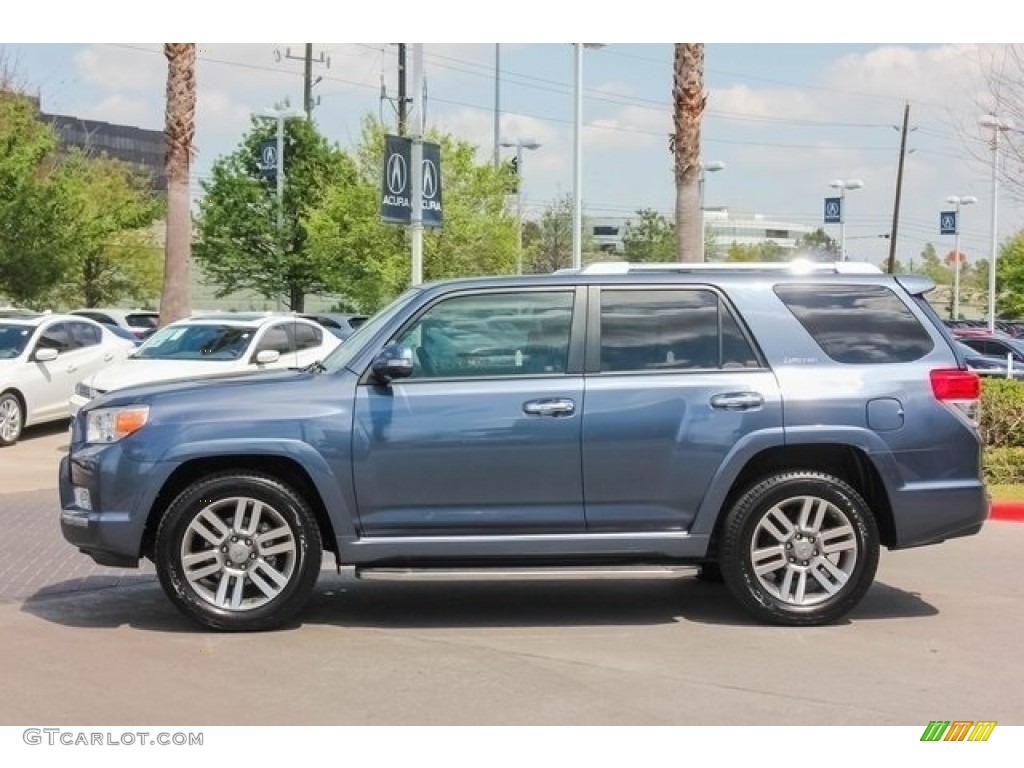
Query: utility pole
(402, 100)
(899, 189)
(308, 102)
(416, 172)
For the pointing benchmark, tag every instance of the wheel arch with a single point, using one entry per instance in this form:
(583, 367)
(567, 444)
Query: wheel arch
(285, 469)
(846, 462)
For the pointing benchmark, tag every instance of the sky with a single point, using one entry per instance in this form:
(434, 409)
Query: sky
(785, 118)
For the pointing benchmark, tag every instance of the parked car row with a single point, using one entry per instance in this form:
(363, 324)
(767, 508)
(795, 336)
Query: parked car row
(52, 364)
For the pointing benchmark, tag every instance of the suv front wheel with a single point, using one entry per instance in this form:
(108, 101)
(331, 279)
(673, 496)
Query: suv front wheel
(238, 551)
(799, 548)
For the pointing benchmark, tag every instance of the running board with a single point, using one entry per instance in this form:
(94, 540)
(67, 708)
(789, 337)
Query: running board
(525, 573)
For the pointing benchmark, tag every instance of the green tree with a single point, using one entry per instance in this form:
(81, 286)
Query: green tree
(36, 239)
(932, 266)
(550, 242)
(766, 251)
(239, 245)
(1010, 278)
(116, 256)
(649, 237)
(372, 259)
(820, 245)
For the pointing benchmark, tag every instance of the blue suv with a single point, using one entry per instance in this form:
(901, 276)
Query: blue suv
(775, 425)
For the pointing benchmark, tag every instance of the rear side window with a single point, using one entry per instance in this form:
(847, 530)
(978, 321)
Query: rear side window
(857, 323)
(671, 329)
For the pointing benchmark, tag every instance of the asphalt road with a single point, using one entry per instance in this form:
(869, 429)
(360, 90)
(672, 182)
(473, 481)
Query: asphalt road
(938, 636)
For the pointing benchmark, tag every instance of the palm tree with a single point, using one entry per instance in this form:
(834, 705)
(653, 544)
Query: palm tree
(179, 129)
(687, 108)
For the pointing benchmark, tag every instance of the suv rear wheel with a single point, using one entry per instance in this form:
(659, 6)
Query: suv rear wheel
(799, 548)
(238, 551)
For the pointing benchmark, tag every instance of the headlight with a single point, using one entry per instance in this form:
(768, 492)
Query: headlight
(108, 425)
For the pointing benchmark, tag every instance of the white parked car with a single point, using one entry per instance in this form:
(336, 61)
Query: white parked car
(141, 323)
(215, 345)
(42, 358)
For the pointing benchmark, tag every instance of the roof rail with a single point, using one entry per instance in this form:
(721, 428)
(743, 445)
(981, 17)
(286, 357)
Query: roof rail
(797, 266)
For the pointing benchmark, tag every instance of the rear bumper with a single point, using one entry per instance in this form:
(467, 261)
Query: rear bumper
(927, 513)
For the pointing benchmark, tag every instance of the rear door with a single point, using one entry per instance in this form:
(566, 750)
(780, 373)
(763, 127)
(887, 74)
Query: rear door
(673, 383)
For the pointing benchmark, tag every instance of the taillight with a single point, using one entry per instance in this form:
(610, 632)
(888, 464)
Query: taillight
(959, 389)
(955, 384)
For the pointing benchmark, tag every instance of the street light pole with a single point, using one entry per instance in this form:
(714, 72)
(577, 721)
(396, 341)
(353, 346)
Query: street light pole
(519, 147)
(958, 200)
(842, 185)
(280, 114)
(577, 155)
(998, 126)
(709, 167)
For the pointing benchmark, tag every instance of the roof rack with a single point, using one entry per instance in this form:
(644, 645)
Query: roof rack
(797, 266)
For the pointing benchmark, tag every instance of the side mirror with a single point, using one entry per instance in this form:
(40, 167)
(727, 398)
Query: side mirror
(44, 355)
(267, 356)
(394, 362)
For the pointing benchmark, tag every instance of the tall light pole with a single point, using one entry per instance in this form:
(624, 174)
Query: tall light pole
(280, 114)
(709, 167)
(577, 156)
(998, 126)
(497, 102)
(520, 145)
(842, 185)
(958, 201)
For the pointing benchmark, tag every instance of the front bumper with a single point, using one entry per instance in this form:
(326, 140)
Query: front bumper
(104, 499)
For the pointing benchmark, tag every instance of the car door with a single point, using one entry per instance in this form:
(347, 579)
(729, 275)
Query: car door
(49, 384)
(484, 437)
(672, 384)
(91, 351)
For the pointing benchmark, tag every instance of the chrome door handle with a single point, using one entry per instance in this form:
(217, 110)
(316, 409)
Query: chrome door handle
(553, 407)
(737, 401)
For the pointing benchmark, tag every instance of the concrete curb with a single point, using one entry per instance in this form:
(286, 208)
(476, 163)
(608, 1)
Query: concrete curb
(1007, 510)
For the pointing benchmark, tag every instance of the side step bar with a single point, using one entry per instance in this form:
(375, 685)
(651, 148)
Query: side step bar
(525, 573)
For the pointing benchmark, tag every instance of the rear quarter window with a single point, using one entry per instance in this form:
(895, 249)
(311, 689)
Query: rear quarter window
(857, 324)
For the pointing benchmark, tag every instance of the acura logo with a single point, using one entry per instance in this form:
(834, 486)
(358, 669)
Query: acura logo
(429, 180)
(397, 174)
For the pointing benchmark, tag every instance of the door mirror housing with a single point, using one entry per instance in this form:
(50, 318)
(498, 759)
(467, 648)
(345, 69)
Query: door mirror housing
(394, 362)
(44, 355)
(267, 356)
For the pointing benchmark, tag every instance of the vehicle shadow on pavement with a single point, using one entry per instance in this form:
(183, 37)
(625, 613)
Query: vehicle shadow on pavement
(342, 601)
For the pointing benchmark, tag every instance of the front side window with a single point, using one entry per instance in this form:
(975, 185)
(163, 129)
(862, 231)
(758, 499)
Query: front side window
(494, 334)
(55, 337)
(674, 329)
(857, 324)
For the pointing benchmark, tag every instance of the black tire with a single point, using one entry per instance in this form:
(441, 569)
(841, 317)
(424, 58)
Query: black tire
(12, 419)
(829, 545)
(267, 561)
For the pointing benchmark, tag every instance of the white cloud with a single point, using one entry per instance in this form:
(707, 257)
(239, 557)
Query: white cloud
(630, 128)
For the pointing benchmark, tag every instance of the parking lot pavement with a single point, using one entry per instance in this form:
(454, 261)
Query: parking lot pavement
(31, 463)
(937, 636)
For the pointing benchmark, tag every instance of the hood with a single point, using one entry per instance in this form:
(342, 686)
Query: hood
(133, 371)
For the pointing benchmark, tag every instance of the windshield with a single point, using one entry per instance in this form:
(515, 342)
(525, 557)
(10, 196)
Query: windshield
(349, 348)
(212, 341)
(13, 339)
